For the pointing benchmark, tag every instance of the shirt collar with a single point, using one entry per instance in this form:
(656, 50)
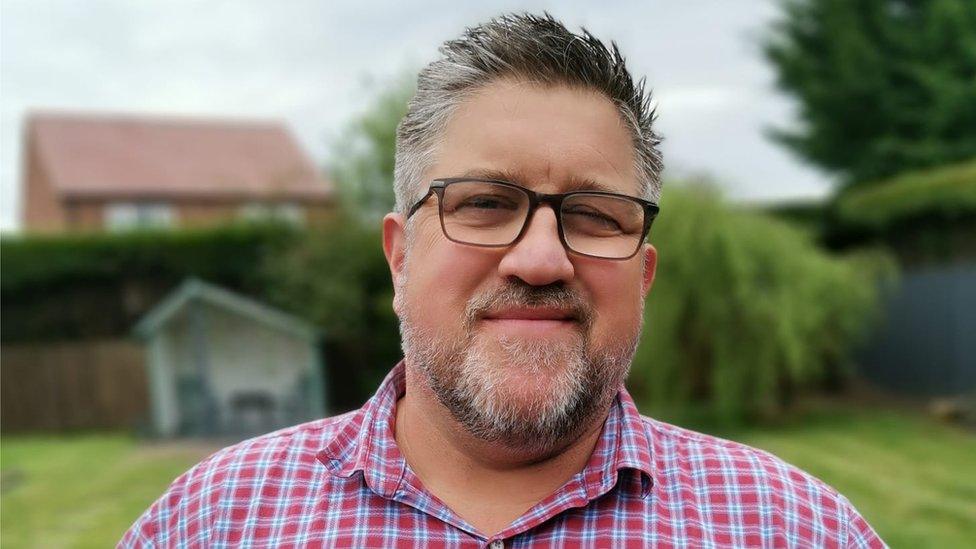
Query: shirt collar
(634, 444)
(364, 442)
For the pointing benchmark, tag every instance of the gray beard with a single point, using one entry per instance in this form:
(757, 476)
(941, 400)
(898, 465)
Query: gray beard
(477, 379)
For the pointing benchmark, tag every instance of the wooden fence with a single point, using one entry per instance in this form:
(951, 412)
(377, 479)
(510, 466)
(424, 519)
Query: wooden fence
(66, 386)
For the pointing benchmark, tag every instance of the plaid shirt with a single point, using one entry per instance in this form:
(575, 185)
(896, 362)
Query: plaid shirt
(342, 482)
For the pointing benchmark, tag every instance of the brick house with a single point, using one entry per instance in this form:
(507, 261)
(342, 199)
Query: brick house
(87, 172)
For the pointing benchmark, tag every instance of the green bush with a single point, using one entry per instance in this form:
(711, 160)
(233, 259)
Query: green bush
(745, 310)
(97, 285)
(944, 194)
(228, 252)
(922, 217)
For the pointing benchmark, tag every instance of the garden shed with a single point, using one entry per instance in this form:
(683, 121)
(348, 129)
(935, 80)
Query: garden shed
(221, 364)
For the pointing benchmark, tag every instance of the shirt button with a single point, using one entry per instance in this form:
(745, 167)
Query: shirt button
(497, 544)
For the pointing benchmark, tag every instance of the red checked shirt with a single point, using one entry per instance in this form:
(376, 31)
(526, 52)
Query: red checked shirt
(342, 482)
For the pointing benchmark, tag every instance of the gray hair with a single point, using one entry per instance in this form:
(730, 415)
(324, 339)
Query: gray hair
(531, 47)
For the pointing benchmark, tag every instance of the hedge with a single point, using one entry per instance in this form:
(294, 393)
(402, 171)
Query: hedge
(97, 285)
(947, 193)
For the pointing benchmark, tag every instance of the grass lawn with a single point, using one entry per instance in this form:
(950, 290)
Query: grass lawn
(914, 480)
(84, 490)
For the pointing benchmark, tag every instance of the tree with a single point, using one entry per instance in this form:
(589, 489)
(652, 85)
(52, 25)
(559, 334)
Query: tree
(336, 276)
(884, 86)
(364, 154)
(746, 311)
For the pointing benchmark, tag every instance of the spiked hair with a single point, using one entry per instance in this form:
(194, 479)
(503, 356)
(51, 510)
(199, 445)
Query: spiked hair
(532, 48)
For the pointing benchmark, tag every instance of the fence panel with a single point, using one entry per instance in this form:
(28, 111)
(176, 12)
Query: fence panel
(926, 345)
(66, 386)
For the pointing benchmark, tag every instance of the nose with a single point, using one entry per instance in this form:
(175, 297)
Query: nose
(538, 258)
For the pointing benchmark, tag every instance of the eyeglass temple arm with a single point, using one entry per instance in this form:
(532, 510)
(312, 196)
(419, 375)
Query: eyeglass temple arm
(413, 209)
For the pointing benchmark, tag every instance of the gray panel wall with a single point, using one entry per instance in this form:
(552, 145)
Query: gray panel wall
(926, 344)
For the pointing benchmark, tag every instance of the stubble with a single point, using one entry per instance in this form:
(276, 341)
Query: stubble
(491, 386)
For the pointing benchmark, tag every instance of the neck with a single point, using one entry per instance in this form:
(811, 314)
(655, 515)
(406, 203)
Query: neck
(458, 467)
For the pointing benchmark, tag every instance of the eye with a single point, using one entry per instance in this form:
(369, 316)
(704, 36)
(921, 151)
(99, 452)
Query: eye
(487, 202)
(581, 214)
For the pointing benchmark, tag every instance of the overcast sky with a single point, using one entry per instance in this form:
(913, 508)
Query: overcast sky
(310, 64)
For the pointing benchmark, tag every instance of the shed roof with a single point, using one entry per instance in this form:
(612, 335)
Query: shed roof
(125, 156)
(194, 290)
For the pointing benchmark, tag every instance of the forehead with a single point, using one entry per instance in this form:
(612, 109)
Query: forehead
(550, 138)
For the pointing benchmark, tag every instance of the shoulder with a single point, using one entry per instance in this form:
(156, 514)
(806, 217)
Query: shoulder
(716, 461)
(726, 478)
(274, 462)
(297, 446)
(678, 446)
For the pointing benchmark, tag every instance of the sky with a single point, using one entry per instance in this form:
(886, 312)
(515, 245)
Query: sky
(317, 64)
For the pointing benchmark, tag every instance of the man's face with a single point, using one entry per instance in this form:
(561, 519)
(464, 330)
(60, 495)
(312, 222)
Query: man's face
(524, 343)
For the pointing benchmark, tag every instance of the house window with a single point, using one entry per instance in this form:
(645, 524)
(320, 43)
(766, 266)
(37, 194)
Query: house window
(292, 213)
(123, 216)
(254, 212)
(288, 212)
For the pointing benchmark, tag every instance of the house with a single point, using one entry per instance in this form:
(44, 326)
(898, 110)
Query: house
(88, 172)
(221, 364)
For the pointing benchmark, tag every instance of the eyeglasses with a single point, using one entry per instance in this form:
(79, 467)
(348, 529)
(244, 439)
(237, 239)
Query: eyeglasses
(489, 213)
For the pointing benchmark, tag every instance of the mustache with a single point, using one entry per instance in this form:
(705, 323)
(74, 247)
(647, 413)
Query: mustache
(517, 293)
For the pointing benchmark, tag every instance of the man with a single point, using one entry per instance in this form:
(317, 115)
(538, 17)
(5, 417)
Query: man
(527, 176)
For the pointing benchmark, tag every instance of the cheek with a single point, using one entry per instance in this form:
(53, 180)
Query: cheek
(442, 277)
(616, 298)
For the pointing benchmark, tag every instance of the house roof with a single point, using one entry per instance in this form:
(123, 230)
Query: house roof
(118, 156)
(193, 291)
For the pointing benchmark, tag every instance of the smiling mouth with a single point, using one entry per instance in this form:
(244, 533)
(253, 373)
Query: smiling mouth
(532, 314)
(530, 320)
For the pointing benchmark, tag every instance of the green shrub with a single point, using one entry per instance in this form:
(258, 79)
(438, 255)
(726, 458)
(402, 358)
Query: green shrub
(947, 193)
(229, 252)
(745, 310)
(923, 217)
(98, 285)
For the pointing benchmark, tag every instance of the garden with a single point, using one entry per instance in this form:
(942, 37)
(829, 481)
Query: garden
(755, 329)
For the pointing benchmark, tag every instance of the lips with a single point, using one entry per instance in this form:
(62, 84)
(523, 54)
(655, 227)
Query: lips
(520, 308)
(532, 313)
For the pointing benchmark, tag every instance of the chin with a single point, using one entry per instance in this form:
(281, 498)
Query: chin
(531, 396)
(524, 393)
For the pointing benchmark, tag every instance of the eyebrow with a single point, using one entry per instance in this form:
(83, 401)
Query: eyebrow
(514, 176)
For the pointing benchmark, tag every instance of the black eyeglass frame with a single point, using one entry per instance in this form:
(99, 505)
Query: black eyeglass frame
(555, 201)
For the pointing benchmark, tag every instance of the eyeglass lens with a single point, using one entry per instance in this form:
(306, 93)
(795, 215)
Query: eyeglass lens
(489, 214)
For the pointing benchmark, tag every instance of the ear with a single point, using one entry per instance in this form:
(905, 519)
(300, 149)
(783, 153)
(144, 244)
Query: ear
(394, 247)
(650, 267)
